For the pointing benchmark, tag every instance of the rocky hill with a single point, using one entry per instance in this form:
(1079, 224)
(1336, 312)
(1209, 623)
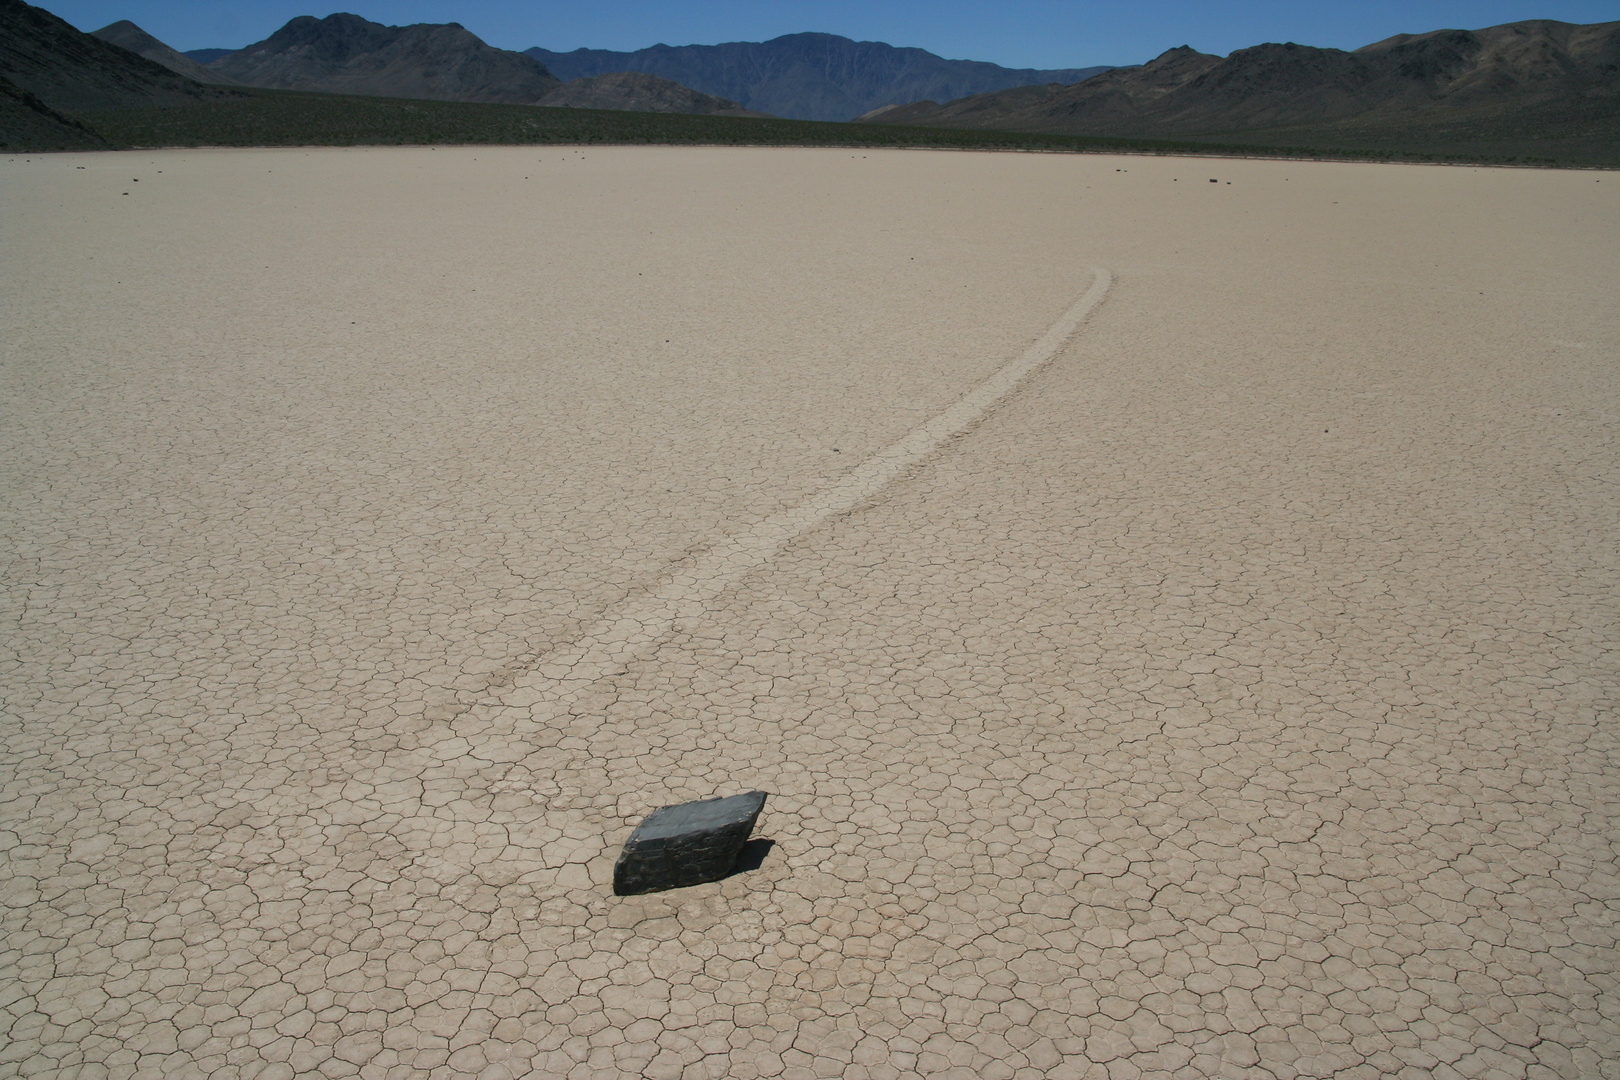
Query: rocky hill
(127, 35)
(633, 91)
(345, 54)
(1557, 72)
(808, 76)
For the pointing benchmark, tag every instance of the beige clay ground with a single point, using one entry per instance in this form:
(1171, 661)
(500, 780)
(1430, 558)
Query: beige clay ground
(1237, 699)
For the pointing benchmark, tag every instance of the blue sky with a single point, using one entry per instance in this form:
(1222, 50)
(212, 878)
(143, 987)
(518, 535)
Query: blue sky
(1015, 33)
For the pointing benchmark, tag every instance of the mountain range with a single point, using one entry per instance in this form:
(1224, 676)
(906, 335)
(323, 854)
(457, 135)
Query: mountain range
(801, 76)
(346, 54)
(50, 73)
(1537, 90)
(1536, 73)
(809, 76)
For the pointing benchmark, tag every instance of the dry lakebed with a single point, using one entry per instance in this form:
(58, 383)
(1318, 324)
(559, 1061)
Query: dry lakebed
(1229, 690)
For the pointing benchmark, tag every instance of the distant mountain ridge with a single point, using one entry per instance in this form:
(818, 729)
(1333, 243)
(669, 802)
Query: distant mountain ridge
(1562, 72)
(808, 76)
(345, 54)
(127, 35)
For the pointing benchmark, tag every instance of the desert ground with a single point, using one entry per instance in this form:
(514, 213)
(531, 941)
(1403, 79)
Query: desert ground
(388, 530)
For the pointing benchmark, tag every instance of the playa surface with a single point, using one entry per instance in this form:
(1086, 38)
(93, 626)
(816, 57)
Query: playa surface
(1236, 697)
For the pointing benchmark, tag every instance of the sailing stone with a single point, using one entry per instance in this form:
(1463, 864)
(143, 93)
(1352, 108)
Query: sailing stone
(688, 844)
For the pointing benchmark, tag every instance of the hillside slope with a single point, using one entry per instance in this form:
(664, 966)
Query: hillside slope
(67, 70)
(28, 125)
(808, 76)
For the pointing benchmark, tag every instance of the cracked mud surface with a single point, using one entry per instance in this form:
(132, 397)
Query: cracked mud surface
(1235, 699)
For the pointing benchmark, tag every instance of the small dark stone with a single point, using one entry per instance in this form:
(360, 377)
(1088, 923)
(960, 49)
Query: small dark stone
(678, 846)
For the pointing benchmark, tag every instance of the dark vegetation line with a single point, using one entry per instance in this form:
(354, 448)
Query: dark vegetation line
(300, 118)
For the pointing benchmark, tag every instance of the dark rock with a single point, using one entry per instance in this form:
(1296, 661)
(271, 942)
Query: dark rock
(678, 846)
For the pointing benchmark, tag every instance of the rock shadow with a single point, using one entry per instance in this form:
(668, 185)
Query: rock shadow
(752, 856)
